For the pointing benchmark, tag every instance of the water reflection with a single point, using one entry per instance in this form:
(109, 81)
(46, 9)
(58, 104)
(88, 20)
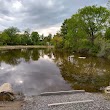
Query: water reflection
(91, 74)
(32, 71)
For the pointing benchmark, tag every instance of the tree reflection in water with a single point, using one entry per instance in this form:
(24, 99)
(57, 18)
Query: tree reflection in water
(91, 74)
(45, 68)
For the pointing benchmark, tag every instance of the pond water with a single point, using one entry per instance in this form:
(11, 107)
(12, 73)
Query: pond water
(32, 71)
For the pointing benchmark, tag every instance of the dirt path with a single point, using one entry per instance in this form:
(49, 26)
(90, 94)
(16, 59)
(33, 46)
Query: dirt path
(23, 47)
(16, 105)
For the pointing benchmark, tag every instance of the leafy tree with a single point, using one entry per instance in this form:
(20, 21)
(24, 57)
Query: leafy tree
(27, 32)
(75, 34)
(49, 37)
(93, 19)
(57, 40)
(17, 39)
(64, 28)
(35, 37)
(42, 37)
(25, 38)
(4, 38)
(45, 40)
(80, 31)
(11, 32)
(107, 33)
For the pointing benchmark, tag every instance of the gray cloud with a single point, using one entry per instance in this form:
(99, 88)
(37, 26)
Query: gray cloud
(39, 14)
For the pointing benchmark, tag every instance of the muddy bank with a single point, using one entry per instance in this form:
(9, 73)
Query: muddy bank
(23, 47)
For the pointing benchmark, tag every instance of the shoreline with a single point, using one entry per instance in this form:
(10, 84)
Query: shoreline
(99, 102)
(72, 101)
(23, 47)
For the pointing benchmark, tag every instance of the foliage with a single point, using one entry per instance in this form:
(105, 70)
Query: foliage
(46, 40)
(57, 41)
(4, 38)
(87, 31)
(85, 74)
(94, 19)
(104, 45)
(107, 33)
(13, 36)
(34, 37)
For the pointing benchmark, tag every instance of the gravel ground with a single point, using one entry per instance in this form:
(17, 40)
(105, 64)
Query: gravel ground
(41, 102)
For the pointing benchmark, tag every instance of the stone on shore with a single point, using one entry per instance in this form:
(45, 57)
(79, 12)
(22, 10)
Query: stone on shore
(6, 92)
(107, 90)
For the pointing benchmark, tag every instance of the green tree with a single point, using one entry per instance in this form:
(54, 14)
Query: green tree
(75, 34)
(64, 28)
(35, 38)
(42, 37)
(11, 32)
(27, 32)
(17, 39)
(80, 31)
(93, 19)
(25, 38)
(4, 38)
(57, 40)
(49, 37)
(107, 33)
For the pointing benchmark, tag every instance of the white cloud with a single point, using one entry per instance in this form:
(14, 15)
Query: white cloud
(8, 18)
(44, 16)
(17, 5)
(50, 3)
(53, 29)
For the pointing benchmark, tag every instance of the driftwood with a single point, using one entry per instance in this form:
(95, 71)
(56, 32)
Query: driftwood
(82, 57)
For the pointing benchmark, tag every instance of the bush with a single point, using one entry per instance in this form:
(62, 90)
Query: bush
(1, 43)
(94, 50)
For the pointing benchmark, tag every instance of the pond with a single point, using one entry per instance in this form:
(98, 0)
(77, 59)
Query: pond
(32, 71)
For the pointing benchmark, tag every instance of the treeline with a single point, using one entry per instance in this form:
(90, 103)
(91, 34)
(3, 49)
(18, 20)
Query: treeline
(13, 36)
(86, 31)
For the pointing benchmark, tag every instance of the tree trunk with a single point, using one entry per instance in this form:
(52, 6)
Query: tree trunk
(92, 36)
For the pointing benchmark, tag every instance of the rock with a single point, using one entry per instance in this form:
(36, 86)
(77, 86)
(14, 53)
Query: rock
(107, 90)
(6, 92)
(6, 96)
(6, 87)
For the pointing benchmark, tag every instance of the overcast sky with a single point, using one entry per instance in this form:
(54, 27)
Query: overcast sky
(44, 16)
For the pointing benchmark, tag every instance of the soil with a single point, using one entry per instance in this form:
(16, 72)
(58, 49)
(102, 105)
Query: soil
(14, 105)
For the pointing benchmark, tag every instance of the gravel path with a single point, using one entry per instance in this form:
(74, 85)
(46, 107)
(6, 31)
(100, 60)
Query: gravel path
(41, 102)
